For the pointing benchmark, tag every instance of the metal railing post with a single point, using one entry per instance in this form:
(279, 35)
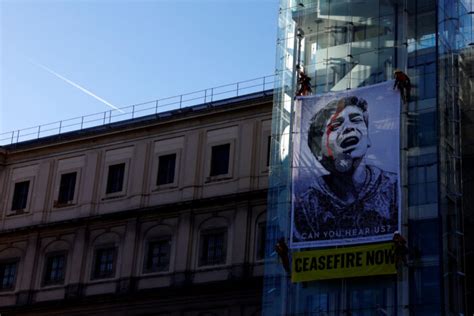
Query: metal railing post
(237, 89)
(60, 126)
(180, 101)
(156, 107)
(264, 83)
(13, 135)
(205, 96)
(82, 121)
(212, 94)
(17, 135)
(39, 130)
(133, 111)
(110, 116)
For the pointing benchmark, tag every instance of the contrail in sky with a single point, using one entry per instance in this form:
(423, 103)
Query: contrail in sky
(77, 86)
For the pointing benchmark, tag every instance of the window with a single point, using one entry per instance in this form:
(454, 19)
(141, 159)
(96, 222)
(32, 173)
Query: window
(115, 178)
(362, 296)
(20, 195)
(66, 188)
(166, 169)
(269, 143)
(104, 265)
(213, 247)
(422, 180)
(426, 288)
(272, 234)
(318, 303)
(261, 238)
(158, 255)
(220, 160)
(424, 237)
(55, 268)
(8, 274)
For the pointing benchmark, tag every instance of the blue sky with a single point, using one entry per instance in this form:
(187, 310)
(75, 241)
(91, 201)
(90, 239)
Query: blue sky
(125, 52)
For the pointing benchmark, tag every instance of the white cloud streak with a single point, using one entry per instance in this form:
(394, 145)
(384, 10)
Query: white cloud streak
(76, 86)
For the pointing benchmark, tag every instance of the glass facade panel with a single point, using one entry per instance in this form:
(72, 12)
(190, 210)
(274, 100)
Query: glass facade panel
(422, 179)
(424, 241)
(425, 294)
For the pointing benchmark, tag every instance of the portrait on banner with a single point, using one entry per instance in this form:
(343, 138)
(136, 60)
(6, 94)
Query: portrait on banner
(346, 167)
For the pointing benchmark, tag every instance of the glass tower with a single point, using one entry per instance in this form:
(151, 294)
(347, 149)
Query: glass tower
(345, 44)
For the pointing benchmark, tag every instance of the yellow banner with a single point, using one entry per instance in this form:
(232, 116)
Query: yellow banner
(339, 263)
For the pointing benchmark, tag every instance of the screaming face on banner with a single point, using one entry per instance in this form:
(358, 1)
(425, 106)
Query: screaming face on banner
(346, 168)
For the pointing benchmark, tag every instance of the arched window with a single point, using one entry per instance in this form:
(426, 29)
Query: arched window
(55, 262)
(213, 242)
(105, 256)
(158, 249)
(10, 259)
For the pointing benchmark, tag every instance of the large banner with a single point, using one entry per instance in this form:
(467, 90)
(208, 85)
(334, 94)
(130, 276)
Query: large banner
(376, 259)
(346, 161)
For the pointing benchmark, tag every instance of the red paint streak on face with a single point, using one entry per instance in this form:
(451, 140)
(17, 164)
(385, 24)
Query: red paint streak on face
(330, 130)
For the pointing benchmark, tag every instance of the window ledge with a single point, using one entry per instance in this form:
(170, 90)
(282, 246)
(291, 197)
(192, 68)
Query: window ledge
(211, 267)
(63, 205)
(218, 178)
(165, 187)
(53, 286)
(156, 273)
(112, 196)
(18, 213)
(95, 281)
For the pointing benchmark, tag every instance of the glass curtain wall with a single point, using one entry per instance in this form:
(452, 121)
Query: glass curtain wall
(345, 44)
(455, 93)
(341, 45)
(422, 159)
(467, 147)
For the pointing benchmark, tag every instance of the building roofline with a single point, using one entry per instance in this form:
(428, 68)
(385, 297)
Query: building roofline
(140, 121)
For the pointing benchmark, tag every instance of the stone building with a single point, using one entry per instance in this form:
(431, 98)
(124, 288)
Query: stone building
(158, 215)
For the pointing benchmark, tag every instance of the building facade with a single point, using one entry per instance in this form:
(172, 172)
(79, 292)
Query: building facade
(160, 215)
(342, 45)
(179, 213)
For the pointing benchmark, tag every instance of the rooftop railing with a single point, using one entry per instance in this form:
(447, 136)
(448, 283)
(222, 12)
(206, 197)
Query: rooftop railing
(139, 110)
